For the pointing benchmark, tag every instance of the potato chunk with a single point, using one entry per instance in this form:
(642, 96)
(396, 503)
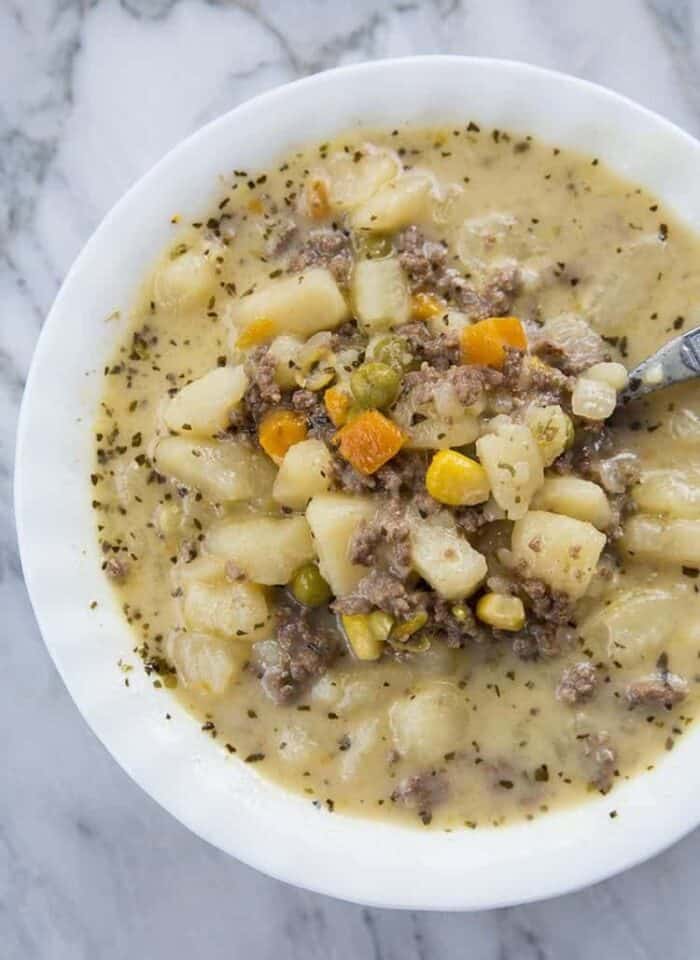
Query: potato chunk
(305, 471)
(672, 541)
(513, 462)
(185, 278)
(354, 181)
(203, 406)
(430, 723)
(559, 550)
(334, 518)
(672, 492)
(576, 498)
(298, 305)
(226, 471)
(204, 663)
(266, 549)
(445, 558)
(634, 627)
(380, 294)
(235, 610)
(396, 204)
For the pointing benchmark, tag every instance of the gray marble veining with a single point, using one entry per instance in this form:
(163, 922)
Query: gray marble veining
(91, 94)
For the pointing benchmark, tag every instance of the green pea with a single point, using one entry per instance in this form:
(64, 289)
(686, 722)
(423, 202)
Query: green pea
(309, 587)
(373, 246)
(375, 385)
(395, 352)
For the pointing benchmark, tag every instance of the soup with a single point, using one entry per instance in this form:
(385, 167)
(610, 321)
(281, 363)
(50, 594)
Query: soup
(368, 496)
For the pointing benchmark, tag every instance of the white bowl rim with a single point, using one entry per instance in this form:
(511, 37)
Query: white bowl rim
(370, 862)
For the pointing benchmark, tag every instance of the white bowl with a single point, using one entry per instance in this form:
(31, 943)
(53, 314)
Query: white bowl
(218, 797)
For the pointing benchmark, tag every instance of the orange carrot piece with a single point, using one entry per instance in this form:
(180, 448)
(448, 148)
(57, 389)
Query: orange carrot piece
(369, 441)
(484, 342)
(280, 430)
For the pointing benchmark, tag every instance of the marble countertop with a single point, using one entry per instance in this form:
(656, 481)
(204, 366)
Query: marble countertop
(91, 95)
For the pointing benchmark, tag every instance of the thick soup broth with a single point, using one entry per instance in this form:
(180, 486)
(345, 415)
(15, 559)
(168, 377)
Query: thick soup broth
(497, 566)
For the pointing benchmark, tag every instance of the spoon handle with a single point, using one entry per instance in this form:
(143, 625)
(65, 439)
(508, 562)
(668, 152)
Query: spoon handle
(677, 360)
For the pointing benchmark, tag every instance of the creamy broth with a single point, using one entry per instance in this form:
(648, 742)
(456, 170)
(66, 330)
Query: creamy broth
(475, 734)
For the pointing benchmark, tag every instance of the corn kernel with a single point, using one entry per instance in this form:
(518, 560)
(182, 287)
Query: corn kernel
(593, 399)
(424, 306)
(256, 333)
(366, 643)
(456, 480)
(337, 403)
(501, 611)
(614, 374)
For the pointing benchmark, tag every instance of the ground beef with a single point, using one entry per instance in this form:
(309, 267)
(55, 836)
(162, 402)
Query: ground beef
(306, 652)
(116, 568)
(541, 640)
(453, 630)
(346, 337)
(324, 248)
(425, 265)
(569, 343)
(380, 591)
(318, 421)
(422, 792)
(403, 474)
(472, 519)
(529, 382)
(661, 689)
(469, 382)
(547, 605)
(280, 238)
(577, 683)
(440, 350)
(263, 390)
(384, 540)
(602, 757)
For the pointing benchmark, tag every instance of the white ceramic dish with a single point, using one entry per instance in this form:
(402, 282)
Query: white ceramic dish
(216, 796)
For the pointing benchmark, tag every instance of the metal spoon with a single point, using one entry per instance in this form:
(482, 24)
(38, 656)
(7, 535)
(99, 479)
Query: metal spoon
(677, 360)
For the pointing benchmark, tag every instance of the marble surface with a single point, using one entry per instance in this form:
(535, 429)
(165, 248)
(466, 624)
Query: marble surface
(91, 94)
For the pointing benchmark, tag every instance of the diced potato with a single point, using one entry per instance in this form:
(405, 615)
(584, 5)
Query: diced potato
(593, 399)
(559, 550)
(267, 550)
(223, 471)
(513, 462)
(672, 541)
(576, 498)
(185, 278)
(204, 568)
(434, 433)
(380, 294)
(430, 723)
(552, 429)
(672, 492)
(235, 610)
(397, 204)
(204, 663)
(445, 558)
(305, 471)
(285, 349)
(613, 302)
(334, 518)
(353, 181)
(363, 738)
(448, 321)
(203, 406)
(298, 305)
(634, 627)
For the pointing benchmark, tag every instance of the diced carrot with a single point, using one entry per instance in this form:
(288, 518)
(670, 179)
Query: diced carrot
(337, 404)
(317, 199)
(256, 333)
(424, 306)
(280, 430)
(369, 441)
(484, 342)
